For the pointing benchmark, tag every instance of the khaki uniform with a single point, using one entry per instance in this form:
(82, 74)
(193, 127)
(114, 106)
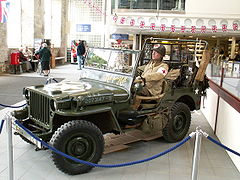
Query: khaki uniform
(154, 72)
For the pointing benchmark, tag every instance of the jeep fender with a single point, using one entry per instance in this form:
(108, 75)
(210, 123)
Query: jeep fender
(102, 117)
(193, 104)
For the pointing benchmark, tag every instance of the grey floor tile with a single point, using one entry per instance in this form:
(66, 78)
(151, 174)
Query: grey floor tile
(180, 176)
(226, 172)
(156, 176)
(158, 168)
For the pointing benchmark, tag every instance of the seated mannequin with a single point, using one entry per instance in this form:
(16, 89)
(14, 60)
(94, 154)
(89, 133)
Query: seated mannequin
(152, 75)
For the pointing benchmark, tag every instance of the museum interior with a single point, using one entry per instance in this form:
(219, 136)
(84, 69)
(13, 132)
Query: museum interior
(82, 117)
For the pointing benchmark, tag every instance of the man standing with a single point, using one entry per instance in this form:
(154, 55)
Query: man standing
(153, 73)
(80, 52)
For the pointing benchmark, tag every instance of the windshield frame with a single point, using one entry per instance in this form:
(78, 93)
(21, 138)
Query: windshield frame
(116, 78)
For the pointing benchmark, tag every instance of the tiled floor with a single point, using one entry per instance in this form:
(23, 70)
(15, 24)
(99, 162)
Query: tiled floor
(215, 163)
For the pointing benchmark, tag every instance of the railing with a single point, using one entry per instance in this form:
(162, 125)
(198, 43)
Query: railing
(227, 75)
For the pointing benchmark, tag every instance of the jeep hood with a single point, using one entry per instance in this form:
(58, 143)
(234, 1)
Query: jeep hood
(81, 89)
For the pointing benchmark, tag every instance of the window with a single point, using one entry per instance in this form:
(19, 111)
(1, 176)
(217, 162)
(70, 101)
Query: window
(178, 5)
(83, 12)
(52, 20)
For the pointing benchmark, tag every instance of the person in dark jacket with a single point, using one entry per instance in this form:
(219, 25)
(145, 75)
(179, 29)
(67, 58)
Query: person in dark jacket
(45, 55)
(80, 52)
(237, 57)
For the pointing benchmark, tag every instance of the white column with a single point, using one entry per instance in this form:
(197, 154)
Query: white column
(233, 47)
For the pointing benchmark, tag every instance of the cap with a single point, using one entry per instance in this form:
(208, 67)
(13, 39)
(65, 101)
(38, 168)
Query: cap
(161, 50)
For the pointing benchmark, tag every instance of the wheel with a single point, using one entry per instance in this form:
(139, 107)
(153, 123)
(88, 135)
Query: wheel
(178, 123)
(80, 139)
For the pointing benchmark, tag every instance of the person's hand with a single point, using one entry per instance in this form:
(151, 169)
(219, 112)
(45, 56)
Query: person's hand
(140, 79)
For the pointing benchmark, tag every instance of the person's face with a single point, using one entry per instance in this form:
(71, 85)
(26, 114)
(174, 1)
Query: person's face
(156, 55)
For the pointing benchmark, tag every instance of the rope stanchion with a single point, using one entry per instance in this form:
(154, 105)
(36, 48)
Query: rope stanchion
(10, 147)
(1, 125)
(223, 146)
(104, 165)
(196, 154)
(8, 106)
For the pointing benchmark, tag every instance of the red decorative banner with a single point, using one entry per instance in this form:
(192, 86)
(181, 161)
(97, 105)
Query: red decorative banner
(132, 22)
(122, 20)
(235, 26)
(193, 29)
(183, 28)
(142, 24)
(224, 27)
(163, 27)
(203, 29)
(115, 18)
(173, 28)
(214, 28)
(152, 26)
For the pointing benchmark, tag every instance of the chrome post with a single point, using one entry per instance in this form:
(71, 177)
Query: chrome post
(196, 154)
(10, 148)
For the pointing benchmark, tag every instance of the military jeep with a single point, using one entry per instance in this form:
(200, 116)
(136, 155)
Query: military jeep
(74, 116)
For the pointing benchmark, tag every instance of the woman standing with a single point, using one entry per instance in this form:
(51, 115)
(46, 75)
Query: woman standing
(45, 55)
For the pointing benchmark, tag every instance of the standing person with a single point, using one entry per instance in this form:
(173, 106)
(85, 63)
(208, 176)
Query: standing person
(153, 73)
(80, 52)
(237, 57)
(45, 55)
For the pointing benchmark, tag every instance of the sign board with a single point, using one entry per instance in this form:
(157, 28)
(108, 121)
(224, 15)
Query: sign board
(83, 27)
(120, 36)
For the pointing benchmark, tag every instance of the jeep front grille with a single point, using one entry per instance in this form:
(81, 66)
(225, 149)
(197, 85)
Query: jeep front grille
(40, 109)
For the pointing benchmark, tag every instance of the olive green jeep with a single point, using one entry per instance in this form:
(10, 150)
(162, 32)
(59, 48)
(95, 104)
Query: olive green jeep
(74, 116)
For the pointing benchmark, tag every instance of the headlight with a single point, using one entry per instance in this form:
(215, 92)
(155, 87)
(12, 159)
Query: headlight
(26, 93)
(53, 105)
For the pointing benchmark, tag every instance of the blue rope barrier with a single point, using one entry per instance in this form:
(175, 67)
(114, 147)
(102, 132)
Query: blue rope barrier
(3, 105)
(102, 165)
(51, 79)
(223, 146)
(1, 125)
(55, 80)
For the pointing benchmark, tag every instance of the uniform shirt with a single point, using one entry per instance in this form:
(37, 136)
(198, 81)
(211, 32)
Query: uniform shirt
(154, 72)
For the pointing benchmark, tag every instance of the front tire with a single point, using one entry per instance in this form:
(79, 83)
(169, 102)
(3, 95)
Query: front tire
(80, 139)
(178, 123)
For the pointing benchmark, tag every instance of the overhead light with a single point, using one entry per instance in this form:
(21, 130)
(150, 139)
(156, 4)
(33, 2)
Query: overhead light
(190, 36)
(213, 36)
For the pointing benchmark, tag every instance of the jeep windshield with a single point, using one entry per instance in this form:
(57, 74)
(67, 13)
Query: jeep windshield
(113, 66)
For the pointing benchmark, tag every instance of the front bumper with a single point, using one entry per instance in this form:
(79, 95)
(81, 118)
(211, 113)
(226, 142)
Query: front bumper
(18, 130)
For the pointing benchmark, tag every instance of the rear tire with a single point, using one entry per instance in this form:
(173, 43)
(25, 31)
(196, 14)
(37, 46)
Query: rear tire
(80, 139)
(178, 123)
